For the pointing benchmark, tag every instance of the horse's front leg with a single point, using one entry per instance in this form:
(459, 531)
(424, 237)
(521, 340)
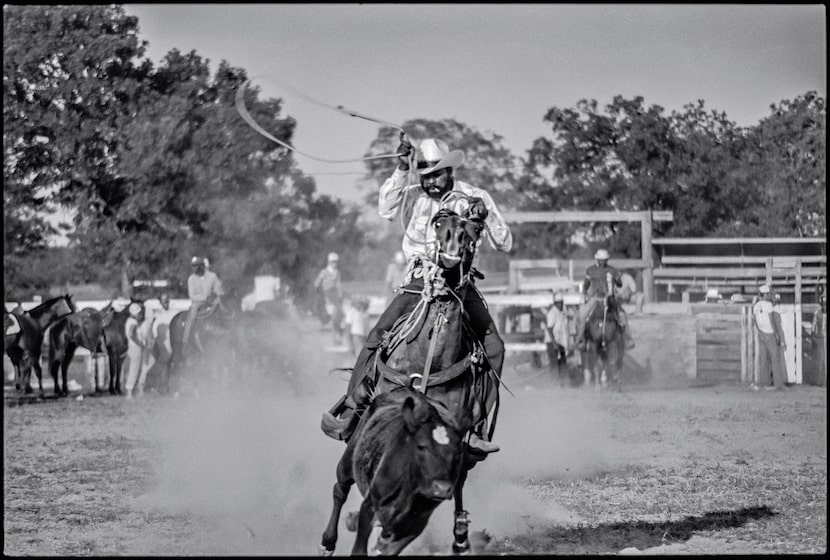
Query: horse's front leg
(113, 368)
(364, 526)
(35, 365)
(461, 521)
(339, 494)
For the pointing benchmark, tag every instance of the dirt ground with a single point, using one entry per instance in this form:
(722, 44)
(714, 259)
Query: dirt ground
(245, 470)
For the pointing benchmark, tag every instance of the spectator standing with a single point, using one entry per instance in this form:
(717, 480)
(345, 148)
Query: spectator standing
(159, 346)
(630, 292)
(819, 337)
(556, 339)
(329, 288)
(396, 272)
(357, 322)
(770, 341)
(135, 347)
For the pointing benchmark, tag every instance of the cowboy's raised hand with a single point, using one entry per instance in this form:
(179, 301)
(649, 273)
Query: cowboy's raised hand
(404, 152)
(478, 210)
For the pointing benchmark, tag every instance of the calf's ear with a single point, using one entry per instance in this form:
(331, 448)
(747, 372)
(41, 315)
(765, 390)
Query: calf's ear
(408, 411)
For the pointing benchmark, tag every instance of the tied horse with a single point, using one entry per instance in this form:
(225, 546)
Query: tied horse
(25, 345)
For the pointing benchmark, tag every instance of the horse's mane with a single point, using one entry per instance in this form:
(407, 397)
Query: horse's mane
(40, 308)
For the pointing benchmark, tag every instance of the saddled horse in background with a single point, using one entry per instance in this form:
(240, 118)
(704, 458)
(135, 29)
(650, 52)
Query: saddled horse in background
(24, 347)
(603, 358)
(212, 343)
(265, 346)
(83, 329)
(435, 341)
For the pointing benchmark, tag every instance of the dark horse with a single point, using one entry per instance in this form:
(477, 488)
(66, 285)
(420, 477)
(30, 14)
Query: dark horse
(603, 358)
(24, 347)
(115, 341)
(82, 329)
(435, 343)
(212, 341)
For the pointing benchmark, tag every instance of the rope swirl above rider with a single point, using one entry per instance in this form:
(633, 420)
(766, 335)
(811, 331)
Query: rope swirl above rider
(433, 164)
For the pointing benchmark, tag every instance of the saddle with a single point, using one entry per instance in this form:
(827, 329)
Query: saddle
(12, 324)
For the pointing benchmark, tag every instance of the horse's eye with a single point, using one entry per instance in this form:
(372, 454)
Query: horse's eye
(436, 224)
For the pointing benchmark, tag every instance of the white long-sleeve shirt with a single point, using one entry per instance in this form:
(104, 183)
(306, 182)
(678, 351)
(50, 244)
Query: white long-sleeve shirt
(419, 237)
(556, 321)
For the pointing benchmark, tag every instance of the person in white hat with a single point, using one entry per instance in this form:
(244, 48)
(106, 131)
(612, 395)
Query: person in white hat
(433, 164)
(556, 338)
(330, 294)
(600, 281)
(203, 289)
(770, 341)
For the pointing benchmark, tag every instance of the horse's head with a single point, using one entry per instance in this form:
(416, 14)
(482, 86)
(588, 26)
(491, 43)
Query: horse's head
(457, 239)
(70, 303)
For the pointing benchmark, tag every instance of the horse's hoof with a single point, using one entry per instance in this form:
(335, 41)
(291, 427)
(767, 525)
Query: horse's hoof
(324, 551)
(461, 548)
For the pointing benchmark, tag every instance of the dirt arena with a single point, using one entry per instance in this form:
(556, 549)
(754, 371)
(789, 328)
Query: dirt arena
(247, 471)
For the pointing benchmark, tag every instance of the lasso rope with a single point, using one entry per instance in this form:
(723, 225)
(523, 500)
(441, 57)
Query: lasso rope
(246, 116)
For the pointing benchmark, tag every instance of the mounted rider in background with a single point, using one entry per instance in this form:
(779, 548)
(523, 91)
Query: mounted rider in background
(599, 283)
(205, 292)
(435, 167)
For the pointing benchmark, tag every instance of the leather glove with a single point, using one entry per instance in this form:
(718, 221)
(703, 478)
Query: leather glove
(404, 152)
(478, 210)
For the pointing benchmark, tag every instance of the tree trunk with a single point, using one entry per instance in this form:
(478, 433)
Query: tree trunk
(126, 285)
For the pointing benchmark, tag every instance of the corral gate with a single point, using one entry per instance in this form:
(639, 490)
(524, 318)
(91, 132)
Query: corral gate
(721, 342)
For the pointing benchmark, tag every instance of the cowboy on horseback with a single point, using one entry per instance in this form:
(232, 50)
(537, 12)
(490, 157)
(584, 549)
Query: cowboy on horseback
(436, 189)
(600, 279)
(205, 291)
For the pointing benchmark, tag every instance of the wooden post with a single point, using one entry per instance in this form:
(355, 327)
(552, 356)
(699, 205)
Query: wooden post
(798, 334)
(744, 345)
(646, 252)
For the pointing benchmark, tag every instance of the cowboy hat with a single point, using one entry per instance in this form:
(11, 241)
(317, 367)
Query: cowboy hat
(765, 289)
(436, 154)
(602, 255)
(333, 257)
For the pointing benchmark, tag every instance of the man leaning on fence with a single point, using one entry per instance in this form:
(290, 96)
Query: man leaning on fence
(770, 342)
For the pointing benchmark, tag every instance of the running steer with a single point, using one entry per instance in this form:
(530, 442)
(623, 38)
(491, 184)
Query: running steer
(406, 459)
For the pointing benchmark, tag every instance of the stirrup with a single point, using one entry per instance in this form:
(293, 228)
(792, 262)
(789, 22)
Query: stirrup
(338, 428)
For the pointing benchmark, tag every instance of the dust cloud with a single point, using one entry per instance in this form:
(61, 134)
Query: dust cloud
(253, 462)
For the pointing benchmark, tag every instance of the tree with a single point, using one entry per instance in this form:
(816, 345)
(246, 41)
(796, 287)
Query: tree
(717, 179)
(788, 151)
(64, 96)
(619, 160)
(156, 162)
